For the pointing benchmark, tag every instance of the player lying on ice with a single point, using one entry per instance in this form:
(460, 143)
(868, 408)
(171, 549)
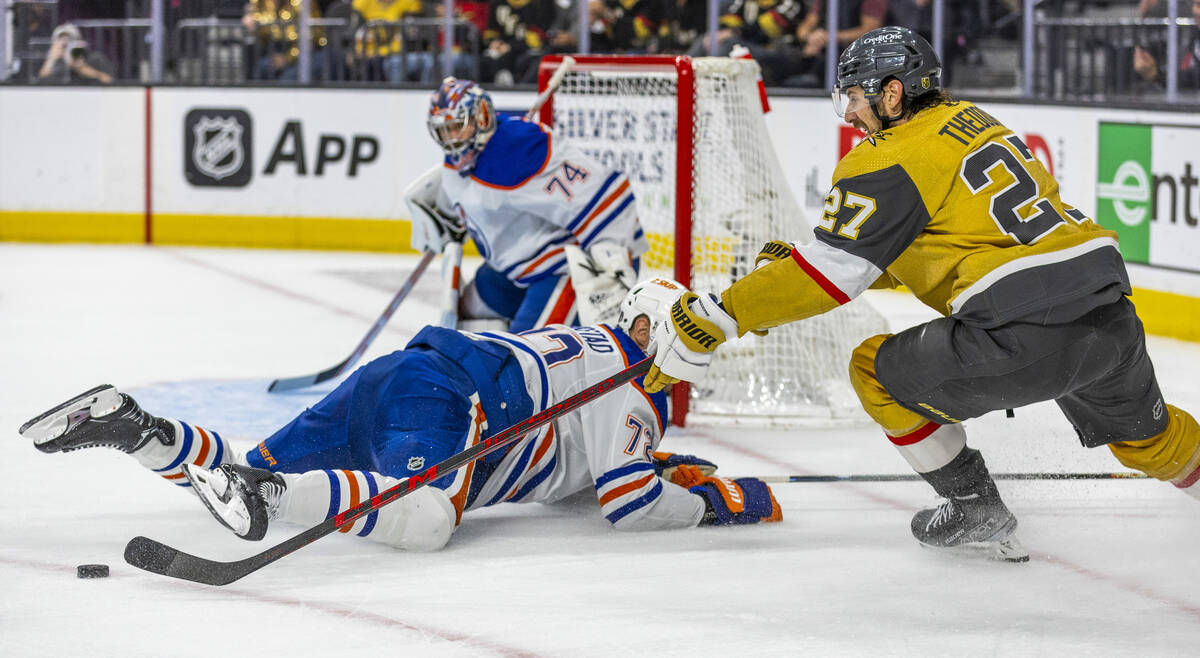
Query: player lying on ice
(942, 198)
(444, 392)
(529, 203)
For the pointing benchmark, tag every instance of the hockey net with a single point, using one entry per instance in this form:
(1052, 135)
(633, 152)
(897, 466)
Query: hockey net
(689, 134)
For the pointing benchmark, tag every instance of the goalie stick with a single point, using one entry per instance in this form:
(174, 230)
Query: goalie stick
(561, 72)
(913, 477)
(156, 557)
(304, 381)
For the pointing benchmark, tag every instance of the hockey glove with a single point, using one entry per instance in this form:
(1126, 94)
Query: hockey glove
(601, 278)
(686, 343)
(730, 502)
(432, 228)
(666, 464)
(771, 252)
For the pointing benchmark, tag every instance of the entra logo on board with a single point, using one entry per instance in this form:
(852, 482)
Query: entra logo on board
(218, 147)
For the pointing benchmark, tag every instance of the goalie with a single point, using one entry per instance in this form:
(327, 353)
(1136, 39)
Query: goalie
(443, 393)
(529, 203)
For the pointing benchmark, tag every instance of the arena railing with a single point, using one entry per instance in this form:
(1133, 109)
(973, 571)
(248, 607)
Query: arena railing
(1093, 59)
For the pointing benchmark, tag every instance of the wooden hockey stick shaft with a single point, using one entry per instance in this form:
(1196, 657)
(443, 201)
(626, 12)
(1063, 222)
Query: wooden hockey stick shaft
(561, 72)
(303, 381)
(913, 477)
(156, 557)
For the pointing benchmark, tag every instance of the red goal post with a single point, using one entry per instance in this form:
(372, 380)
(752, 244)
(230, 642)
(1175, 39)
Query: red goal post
(690, 135)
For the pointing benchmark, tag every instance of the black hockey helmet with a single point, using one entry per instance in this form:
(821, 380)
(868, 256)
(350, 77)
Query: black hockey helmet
(884, 53)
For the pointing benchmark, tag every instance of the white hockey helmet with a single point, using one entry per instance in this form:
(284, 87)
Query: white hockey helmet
(652, 298)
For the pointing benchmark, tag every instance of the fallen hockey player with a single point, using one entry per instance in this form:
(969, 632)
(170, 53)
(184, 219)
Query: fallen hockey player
(444, 392)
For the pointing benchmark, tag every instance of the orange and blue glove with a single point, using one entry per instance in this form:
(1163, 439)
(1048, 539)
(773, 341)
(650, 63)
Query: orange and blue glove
(729, 502)
(665, 464)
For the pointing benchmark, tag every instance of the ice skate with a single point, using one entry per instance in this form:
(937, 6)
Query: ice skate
(244, 499)
(971, 524)
(100, 417)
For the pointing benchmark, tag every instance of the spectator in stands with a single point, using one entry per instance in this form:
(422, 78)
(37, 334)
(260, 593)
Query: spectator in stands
(462, 63)
(683, 23)
(1149, 58)
(275, 40)
(70, 61)
(764, 27)
(515, 38)
(625, 26)
(379, 50)
(855, 18)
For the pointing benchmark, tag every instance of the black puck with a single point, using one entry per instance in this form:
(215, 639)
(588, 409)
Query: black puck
(92, 571)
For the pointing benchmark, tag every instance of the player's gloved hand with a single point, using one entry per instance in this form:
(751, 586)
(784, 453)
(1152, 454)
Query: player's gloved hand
(667, 463)
(730, 502)
(771, 252)
(432, 228)
(686, 343)
(601, 278)
(612, 260)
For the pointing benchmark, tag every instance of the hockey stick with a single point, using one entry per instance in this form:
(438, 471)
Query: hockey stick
(292, 383)
(561, 72)
(451, 281)
(159, 558)
(913, 477)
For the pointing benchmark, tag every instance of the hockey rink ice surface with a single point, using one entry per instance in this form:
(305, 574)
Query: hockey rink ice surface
(199, 333)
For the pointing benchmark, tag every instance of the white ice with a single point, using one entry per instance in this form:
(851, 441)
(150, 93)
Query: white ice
(198, 334)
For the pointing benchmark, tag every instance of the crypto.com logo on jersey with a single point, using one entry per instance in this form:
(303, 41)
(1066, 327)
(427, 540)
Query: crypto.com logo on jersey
(218, 147)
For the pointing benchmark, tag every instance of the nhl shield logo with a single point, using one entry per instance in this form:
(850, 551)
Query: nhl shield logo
(217, 147)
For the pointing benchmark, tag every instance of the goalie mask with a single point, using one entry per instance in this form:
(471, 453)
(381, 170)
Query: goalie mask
(873, 58)
(652, 298)
(461, 120)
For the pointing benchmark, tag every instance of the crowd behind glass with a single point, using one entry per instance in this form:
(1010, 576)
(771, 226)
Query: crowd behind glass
(1075, 49)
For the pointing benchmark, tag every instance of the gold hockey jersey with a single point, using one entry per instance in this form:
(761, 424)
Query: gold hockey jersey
(954, 206)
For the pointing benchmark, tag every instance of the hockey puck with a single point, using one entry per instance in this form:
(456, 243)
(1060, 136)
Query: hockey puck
(92, 571)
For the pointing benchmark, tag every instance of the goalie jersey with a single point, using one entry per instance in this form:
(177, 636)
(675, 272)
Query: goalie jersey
(954, 206)
(529, 195)
(604, 445)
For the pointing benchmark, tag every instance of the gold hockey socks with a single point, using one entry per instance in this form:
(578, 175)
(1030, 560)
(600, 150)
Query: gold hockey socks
(1172, 456)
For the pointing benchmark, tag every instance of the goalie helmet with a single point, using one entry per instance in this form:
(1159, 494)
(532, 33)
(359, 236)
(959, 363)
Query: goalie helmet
(882, 53)
(461, 120)
(652, 298)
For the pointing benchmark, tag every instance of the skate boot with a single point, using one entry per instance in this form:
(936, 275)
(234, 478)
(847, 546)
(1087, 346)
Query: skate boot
(102, 416)
(244, 499)
(977, 522)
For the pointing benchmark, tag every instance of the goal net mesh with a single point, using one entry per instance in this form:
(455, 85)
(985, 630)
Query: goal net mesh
(626, 117)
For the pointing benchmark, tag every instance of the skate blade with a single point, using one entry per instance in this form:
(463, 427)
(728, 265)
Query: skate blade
(1009, 549)
(205, 483)
(98, 401)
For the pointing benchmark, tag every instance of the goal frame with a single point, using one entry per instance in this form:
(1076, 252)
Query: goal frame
(685, 106)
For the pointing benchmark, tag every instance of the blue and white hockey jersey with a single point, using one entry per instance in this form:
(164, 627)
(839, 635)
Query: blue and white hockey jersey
(529, 195)
(604, 445)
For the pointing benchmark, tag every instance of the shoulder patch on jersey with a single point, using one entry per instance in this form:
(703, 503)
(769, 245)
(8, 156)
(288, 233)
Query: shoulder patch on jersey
(516, 153)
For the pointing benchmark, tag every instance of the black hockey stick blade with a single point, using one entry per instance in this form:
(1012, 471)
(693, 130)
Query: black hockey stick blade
(156, 557)
(913, 477)
(304, 381)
